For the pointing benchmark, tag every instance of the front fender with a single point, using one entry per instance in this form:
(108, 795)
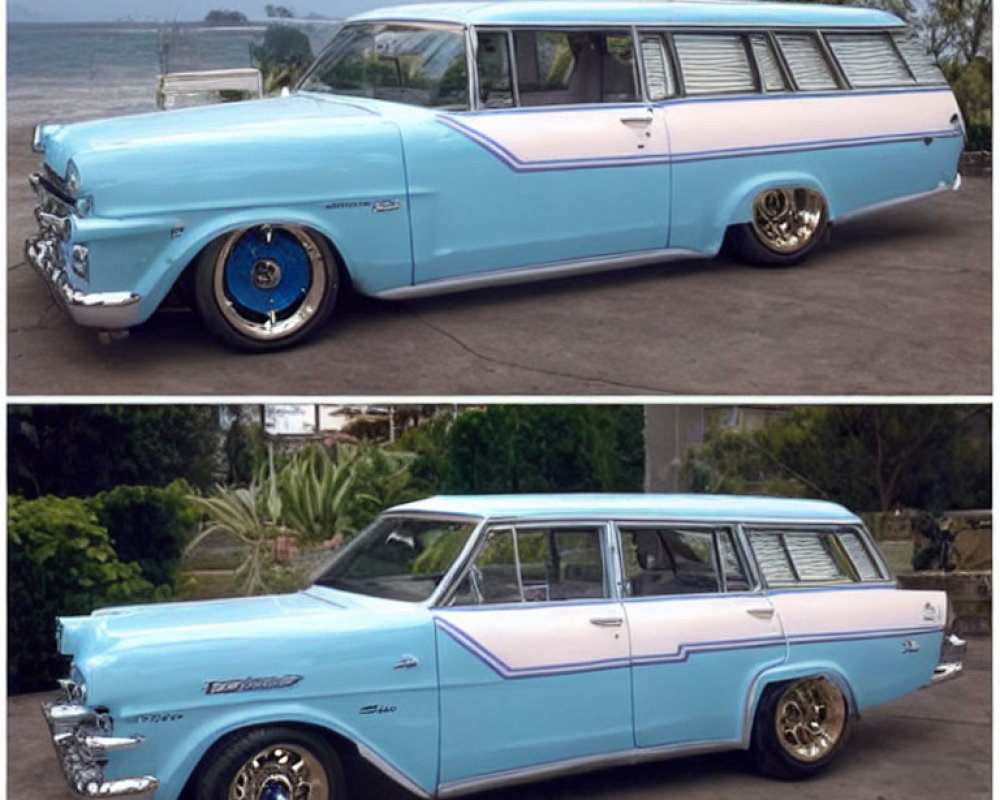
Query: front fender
(787, 672)
(374, 248)
(184, 755)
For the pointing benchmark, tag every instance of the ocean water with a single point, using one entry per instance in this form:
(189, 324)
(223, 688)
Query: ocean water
(59, 73)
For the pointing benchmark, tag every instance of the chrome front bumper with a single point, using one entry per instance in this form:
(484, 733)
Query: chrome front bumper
(82, 746)
(46, 252)
(951, 663)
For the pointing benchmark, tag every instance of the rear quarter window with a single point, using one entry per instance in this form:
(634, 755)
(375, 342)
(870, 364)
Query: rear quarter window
(869, 60)
(792, 557)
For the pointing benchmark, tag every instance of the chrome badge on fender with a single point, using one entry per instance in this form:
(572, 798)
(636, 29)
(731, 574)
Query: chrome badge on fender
(251, 684)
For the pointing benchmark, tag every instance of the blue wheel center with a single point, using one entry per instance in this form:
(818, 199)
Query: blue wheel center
(275, 790)
(266, 273)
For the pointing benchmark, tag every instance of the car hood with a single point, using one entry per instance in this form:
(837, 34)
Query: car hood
(302, 640)
(122, 628)
(232, 123)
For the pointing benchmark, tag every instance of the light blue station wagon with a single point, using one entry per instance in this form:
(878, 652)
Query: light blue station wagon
(466, 643)
(434, 148)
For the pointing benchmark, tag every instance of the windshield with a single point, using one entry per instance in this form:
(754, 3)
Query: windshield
(387, 61)
(400, 558)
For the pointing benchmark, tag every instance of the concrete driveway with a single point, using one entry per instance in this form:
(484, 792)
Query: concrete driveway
(898, 303)
(932, 745)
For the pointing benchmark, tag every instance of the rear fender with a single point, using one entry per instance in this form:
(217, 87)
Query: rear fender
(783, 673)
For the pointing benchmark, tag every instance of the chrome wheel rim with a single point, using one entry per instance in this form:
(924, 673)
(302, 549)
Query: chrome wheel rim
(810, 720)
(787, 220)
(269, 280)
(281, 772)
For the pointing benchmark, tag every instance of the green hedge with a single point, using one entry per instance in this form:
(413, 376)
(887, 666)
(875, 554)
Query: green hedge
(67, 556)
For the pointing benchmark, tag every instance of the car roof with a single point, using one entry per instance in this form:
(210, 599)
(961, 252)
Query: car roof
(638, 12)
(706, 507)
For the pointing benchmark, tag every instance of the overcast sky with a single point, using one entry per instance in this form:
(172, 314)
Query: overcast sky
(170, 10)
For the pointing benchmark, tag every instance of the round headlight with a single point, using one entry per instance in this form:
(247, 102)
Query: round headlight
(72, 179)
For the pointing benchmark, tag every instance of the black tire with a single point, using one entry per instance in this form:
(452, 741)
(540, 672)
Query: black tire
(228, 771)
(267, 286)
(786, 226)
(783, 744)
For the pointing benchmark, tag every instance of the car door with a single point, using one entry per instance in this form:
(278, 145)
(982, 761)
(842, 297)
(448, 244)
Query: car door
(699, 635)
(533, 655)
(562, 159)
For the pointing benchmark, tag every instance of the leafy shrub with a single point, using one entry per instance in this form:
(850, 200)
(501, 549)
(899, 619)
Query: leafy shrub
(150, 526)
(60, 563)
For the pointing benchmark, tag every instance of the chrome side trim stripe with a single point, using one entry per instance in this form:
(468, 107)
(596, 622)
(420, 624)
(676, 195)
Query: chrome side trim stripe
(898, 201)
(539, 272)
(582, 764)
(392, 772)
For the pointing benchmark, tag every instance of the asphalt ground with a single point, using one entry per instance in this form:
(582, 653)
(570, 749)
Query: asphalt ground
(898, 303)
(934, 744)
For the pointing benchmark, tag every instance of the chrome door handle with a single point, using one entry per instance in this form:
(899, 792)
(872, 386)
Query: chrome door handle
(761, 613)
(406, 662)
(644, 119)
(607, 622)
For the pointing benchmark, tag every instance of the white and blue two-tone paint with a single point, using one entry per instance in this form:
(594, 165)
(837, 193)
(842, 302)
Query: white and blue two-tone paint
(465, 643)
(435, 148)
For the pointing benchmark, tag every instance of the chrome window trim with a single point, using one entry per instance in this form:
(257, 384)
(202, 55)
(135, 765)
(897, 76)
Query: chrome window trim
(710, 528)
(460, 28)
(895, 48)
(885, 580)
(514, 525)
(742, 36)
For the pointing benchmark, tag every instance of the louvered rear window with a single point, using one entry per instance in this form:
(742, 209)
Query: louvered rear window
(869, 59)
(713, 64)
(805, 59)
(788, 557)
(920, 61)
(767, 63)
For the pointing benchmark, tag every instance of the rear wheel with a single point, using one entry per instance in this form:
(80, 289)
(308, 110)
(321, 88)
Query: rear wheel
(272, 764)
(267, 286)
(800, 726)
(786, 225)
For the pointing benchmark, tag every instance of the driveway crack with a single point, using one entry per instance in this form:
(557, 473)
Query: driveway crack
(539, 370)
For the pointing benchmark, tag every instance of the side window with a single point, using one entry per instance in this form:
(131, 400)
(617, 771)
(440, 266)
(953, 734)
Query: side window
(919, 59)
(574, 67)
(803, 556)
(658, 69)
(860, 556)
(869, 59)
(535, 566)
(806, 60)
(771, 75)
(714, 64)
(493, 64)
(668, 561)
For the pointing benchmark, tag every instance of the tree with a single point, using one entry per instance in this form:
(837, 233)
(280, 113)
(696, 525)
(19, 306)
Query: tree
(282, 57)
(535, 448)
(78, 450)
(866, 457)
(219, 18)
(278, 11)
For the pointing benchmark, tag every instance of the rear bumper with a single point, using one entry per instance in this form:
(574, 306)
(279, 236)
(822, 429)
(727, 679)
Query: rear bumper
(952, 657)
(82, 748)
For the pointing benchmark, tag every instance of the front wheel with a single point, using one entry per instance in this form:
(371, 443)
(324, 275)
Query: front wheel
(786, 225)
(800, 726)
(272, 764)
(267, 286)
